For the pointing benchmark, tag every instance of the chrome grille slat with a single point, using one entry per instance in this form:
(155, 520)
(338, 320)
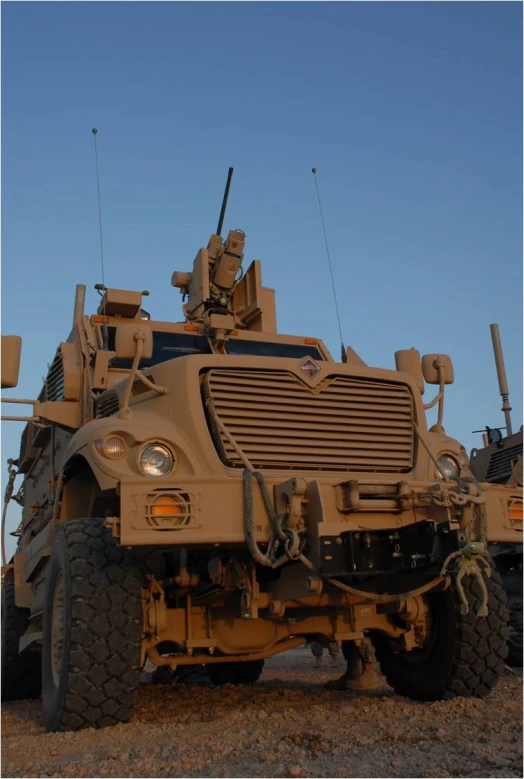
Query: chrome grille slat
(329, 387)
(331, 427)
(344, 424)
(308, 403)
(301, 435)
(327, 449)
(291, 416)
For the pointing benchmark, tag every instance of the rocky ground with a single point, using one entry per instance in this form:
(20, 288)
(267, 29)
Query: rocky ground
(285, 726)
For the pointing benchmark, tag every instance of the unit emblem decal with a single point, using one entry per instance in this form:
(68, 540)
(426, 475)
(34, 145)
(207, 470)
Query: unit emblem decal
(310, 367)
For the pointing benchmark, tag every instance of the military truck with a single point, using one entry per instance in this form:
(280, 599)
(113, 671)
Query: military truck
(214, 492)
(498, 462)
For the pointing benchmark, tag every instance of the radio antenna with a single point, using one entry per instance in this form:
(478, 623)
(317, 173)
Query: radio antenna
(104, 325)
(501, 375)
(224, 202)
(342, 347)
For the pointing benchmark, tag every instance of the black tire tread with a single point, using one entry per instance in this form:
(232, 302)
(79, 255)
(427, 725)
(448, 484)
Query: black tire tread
(479, 651)
(512, 583)
(21, 673)
(106, 630)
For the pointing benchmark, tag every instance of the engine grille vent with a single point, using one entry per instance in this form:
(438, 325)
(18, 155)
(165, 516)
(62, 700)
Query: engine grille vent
(24, 440)
(501, 463)
(107, 404)
(346, 424)
(53, 388)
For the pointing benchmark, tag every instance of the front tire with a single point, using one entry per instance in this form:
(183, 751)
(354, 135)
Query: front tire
(21, 673)
(512, 583)
(464, 654)
(92, 630)
(247, 672)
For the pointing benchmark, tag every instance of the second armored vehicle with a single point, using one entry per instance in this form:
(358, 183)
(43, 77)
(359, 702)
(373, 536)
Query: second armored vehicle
(499, 462)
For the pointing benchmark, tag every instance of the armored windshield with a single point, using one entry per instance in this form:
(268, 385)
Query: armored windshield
(167, 346)
(264, 349)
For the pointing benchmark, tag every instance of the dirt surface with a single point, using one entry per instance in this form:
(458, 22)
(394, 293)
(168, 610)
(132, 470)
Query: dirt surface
(286, 725)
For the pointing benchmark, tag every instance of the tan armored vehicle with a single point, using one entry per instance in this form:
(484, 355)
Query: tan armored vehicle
(213, 492)
(500, 462)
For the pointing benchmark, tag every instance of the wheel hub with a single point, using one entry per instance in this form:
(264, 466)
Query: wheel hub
(416, 612)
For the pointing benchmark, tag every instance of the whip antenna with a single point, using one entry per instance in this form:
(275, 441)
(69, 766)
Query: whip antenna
(104, 326)
(343, 348)
(224, 202)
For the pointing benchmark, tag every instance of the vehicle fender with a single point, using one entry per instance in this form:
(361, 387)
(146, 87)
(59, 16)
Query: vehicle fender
(109, 472)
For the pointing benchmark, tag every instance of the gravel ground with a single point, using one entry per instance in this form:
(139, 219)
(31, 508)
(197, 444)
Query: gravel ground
(287, 725)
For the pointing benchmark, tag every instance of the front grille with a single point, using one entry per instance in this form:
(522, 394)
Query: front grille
(344, 424)
(501, 463)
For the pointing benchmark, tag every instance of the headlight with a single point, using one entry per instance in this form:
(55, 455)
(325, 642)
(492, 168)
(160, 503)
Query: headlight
(447, 465)
(113, 447)
(156, 460)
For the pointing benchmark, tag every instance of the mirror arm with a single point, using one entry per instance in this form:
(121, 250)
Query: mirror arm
(135, 373)
(438, 427)
(19, 400)
(35, 420)
(441, 393)
(435, 400)
(125, 411)
(150, 384)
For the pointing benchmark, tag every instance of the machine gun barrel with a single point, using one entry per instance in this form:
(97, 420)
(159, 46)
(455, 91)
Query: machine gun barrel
(224, 202)
(501, 373)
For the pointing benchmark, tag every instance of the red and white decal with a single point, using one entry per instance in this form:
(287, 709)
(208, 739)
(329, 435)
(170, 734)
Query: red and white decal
(310, 367)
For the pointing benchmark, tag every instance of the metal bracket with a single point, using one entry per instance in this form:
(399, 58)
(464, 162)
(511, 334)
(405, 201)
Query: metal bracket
(353, 496)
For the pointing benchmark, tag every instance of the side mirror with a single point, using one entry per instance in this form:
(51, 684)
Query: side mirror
(11, 352)
(408, 361)
(430, 368)
(125, 341)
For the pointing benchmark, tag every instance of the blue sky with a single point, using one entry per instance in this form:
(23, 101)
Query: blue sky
(411, 112)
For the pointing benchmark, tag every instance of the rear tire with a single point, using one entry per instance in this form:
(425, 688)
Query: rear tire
(512, 583)
(92, 630)
(464, 654)
(247, 672)
(21, 673)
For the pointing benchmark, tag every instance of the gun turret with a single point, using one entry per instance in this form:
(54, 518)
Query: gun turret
(217, 299)
(209, 288)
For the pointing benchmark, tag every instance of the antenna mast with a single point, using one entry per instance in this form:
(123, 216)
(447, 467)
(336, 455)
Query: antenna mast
(342, 347)
(104, 326)
(224, 202)
(501, 374)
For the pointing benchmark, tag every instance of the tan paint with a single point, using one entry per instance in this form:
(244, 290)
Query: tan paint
(342, 447)
(11, 352)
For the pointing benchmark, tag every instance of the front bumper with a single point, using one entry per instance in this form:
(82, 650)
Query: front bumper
(213, 508)
(371, 554)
